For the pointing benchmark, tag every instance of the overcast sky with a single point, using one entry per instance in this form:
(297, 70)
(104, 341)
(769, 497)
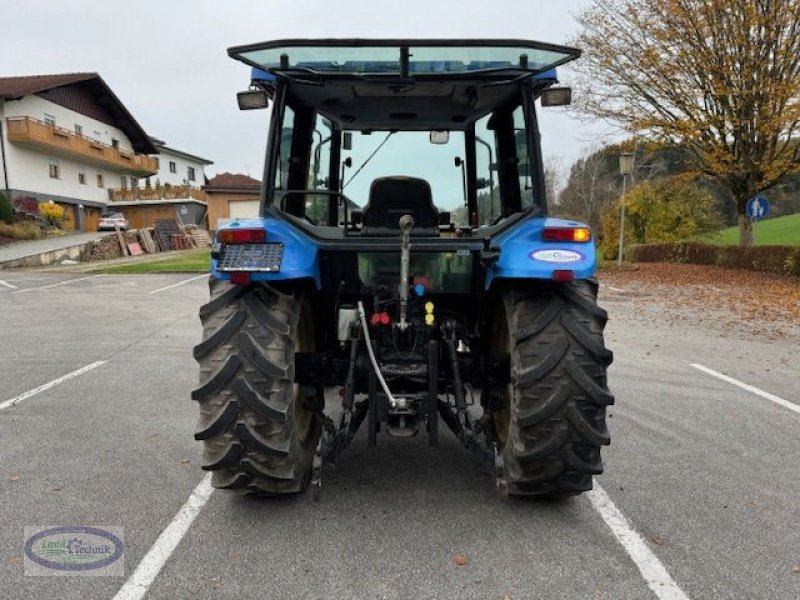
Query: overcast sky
(167, 61)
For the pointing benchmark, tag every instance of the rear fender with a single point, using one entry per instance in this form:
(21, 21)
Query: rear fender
(524, 255)
(300, 254)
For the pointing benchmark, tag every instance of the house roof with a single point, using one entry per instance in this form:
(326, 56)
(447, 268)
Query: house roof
(14, 88)
(233, 181)
(162, 146)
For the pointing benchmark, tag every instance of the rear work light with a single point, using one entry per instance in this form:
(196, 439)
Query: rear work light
(567, 234)
(242, 236)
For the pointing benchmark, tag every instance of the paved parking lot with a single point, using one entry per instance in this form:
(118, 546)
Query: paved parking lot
(700, 493)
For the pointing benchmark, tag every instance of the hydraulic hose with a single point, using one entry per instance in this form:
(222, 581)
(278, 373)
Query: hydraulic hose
(363, 317)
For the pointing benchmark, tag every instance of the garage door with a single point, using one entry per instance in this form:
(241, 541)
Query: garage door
(244, 209)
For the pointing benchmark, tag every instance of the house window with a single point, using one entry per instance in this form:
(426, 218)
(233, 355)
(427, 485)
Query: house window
(55, 172)
(100, 180)
(190, 173)
(173, 168)
(49, 119)
(115, 144)
(82, 177)
(78, 129)
(123, 182)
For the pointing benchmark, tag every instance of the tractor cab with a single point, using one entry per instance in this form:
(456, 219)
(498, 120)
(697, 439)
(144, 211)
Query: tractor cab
(366, 131)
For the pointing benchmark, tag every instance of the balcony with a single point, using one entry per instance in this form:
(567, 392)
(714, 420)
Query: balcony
(56, 140)
(166, 192)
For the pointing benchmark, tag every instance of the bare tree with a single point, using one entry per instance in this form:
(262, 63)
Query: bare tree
(719, 77)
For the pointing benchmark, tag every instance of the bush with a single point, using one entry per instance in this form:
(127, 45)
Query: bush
(5, 209)
(783, 260)
(54, 213)
(25, 230)
(663, 210)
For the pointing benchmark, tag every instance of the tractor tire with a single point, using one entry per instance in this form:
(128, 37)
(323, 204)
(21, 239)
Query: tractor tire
(259, 428)
(550, 421)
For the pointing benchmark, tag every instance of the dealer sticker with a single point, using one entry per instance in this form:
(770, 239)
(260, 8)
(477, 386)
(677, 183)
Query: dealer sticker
(557, 256)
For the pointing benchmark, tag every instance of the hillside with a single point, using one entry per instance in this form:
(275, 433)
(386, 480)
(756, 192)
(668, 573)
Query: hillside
(770, 232)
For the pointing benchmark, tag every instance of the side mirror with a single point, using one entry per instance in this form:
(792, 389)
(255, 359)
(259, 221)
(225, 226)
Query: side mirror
(252, 100)
(439, 136)
(348, 162)
(457, 161)
(481, 183)
(347, 141)
(560, 96)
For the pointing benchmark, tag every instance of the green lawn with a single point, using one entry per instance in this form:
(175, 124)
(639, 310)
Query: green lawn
(190, 261)
(771, 232)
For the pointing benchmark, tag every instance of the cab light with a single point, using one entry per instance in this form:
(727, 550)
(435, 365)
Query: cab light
(567, 234)
(242, 236)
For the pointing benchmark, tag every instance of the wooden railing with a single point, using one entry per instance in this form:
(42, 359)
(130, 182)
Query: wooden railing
(175, 192)
(32, 132)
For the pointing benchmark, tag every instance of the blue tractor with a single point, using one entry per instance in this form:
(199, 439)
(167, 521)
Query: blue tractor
(403, 257)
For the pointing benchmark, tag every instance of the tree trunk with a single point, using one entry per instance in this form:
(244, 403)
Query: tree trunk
(745, 231)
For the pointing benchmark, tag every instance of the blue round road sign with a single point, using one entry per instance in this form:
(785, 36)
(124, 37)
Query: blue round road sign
(758, 207)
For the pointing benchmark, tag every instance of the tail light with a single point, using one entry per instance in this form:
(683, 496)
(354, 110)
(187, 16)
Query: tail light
(563, 276)
(242, 236)
(240, 278)
(567, 234)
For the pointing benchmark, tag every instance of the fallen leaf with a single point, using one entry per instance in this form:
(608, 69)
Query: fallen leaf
(13, 477)
(658, 540)
(796, 569)
(460, 559)
(215, 582)
(184, 461)
(57, 488)
(14, 560)
(506, 597)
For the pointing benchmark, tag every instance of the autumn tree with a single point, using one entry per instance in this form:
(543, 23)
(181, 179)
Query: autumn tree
(667, 209)
(718, 77)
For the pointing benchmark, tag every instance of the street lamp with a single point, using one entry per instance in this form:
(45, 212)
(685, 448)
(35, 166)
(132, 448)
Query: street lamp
(625, 169)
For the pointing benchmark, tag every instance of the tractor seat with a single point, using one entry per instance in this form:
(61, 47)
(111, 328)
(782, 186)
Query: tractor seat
(392, 197)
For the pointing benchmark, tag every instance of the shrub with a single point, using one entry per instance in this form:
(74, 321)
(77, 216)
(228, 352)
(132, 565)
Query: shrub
(783, 260)
(54, 213)
(5, 208)
(662, 210)
(24, 230)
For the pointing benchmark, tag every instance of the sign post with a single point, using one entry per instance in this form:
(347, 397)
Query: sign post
(757, 208)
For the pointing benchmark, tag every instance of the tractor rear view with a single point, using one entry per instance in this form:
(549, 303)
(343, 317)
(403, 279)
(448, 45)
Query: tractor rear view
(403, 256)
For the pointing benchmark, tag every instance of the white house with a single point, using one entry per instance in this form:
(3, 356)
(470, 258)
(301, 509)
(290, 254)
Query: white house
(177, 168)
(69, 139)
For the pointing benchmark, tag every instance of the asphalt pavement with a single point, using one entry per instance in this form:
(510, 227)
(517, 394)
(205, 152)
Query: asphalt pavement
(96, 429)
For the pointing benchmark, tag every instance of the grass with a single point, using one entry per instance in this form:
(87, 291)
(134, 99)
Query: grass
(780, 231)
(189, 261)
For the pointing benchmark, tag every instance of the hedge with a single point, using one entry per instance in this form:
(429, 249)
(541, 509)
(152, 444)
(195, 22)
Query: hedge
(783, 260)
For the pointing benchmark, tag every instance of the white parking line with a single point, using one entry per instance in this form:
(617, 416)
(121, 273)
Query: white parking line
(169, 287)
(8, 285)
(750, 388)
(152, 563)
(51, 384)
(654, 573)
(52, 285)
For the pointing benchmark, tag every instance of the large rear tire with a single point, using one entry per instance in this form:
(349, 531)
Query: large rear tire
(259, 428)
(550, 420)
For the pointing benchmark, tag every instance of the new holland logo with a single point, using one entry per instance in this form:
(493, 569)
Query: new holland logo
(557, 256)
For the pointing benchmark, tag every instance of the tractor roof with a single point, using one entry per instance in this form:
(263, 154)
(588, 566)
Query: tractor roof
(329, 58)
(403, 84)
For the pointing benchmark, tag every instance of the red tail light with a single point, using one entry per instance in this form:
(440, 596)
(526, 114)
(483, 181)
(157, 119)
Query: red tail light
(564, 276)
(240, 278)
(567, 234)
(242, 236)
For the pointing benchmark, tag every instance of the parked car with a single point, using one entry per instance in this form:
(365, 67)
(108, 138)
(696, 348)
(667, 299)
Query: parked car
(112, 221)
